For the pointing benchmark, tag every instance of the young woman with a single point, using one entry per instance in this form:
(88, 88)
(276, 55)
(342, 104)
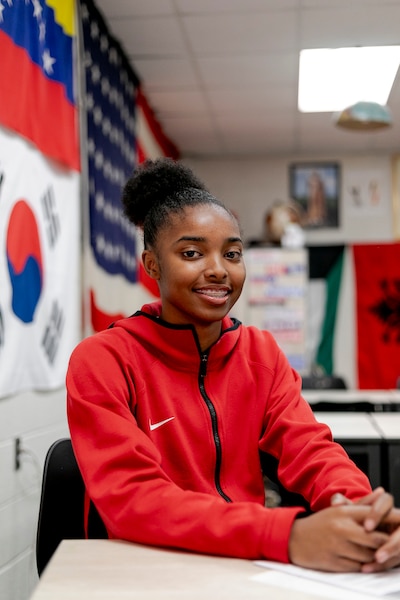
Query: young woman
(170, 409)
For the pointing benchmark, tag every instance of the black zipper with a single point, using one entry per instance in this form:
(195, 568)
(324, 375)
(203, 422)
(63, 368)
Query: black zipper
(214, 424)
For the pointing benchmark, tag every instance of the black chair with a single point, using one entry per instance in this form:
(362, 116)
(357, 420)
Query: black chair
(323, 382)
(61, 509)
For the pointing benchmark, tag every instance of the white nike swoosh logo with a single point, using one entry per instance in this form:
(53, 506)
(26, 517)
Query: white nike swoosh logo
(154, 426)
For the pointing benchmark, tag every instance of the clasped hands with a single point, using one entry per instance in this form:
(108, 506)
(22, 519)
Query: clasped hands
(349, 536)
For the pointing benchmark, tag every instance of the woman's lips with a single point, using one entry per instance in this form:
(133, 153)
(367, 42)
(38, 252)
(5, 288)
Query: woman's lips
(214, 295)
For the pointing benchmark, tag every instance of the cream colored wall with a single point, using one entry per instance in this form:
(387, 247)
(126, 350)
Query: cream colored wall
(249, 185)
(37, 419)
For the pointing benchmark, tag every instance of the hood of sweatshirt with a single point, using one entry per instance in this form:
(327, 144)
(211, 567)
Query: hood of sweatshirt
(177, 345)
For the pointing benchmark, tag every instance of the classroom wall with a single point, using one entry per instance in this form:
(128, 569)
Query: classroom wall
(36, 419)
(248, 186)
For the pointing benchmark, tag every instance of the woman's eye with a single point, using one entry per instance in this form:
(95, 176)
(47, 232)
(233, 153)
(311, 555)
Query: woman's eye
(190, 253)
(234, 254)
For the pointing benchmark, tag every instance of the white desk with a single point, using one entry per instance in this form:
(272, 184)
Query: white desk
(352, 426)
(379, 400)
(358, 434)
(388, 424)
(113, 570)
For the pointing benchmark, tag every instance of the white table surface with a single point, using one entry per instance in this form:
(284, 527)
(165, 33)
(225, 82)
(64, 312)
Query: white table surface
(350, 425)
(115, 570)
(346, 396)
(388, 424)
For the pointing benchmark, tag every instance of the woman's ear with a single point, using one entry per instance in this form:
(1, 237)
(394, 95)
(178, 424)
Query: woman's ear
(150, 264)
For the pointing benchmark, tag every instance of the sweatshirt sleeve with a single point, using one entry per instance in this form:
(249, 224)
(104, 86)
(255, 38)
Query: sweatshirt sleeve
(123, 474)
(309, 462)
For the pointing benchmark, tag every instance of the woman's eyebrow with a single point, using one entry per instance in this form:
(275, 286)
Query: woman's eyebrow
(193, 238)
(190, 238)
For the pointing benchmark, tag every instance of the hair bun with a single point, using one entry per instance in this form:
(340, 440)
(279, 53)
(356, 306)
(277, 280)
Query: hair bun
(152, 183)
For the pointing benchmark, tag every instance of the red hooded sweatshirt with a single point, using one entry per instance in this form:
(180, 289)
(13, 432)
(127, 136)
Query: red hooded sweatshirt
(168, 437)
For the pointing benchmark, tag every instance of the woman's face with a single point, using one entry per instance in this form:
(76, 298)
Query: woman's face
(199, 267)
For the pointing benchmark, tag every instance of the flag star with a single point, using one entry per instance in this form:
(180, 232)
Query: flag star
(94, 30)
(84, 12)
(96, 74)
(112, 56)
(10, 2)
(89, 101)
(42, 31)
(91, 146)
(103, 43)
(105, 86)
(48, 62)
(88, 59)
(1, 13)
(97, 115)
(37, 9)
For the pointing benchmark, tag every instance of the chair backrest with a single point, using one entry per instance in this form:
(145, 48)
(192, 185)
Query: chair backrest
(323, 382)
(61, 509)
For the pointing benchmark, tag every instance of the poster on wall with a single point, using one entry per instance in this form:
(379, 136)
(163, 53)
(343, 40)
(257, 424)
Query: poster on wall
(277, 298)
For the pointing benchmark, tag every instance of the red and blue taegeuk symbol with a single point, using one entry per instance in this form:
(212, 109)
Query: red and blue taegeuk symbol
(24, 258)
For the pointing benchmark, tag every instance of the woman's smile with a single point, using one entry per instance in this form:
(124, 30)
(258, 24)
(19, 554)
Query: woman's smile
(214, 295)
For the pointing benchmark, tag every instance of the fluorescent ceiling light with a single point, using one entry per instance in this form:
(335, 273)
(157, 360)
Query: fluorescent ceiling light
(331, 79)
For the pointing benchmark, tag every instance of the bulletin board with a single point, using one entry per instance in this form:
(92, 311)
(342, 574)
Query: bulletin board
(277, 281)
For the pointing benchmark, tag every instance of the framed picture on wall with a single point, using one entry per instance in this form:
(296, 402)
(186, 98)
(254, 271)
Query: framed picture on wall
(316, 187)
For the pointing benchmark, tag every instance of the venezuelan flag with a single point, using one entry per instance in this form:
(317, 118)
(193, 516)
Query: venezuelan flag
(37, 92)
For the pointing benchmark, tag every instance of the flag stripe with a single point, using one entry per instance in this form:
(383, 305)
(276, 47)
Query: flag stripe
(64, 15)
(47, 112)
(325, 348)
(38, 34)
(378, 307)
(166, 146)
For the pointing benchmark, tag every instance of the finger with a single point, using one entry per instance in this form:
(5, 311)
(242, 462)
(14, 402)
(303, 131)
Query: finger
(390, 550)
(375, 567)
(380, 508)
(372, 497)
(392, 520)
(372, 541)
(339, 499)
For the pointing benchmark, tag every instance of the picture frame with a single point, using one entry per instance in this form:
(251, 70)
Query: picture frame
(396, 195)
(315, 186)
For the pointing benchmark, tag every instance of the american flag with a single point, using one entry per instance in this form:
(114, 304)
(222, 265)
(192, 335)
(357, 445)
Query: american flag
(111, 145)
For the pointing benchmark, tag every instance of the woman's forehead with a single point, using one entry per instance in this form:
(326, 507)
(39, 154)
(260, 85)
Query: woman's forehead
(204, 216)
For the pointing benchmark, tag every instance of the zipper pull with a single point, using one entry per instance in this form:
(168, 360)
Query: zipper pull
(203, 364)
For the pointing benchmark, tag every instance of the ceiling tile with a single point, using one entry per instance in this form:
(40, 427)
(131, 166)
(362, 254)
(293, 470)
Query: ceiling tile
(165, 73)
(246, 34)
(135, 8)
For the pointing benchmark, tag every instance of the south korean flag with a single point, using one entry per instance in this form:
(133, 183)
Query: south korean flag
(40, 302)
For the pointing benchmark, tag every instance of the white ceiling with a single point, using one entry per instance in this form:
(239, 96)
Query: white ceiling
(221, 75)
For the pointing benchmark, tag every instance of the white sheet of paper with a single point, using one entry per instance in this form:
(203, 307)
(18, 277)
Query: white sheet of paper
(374, 584)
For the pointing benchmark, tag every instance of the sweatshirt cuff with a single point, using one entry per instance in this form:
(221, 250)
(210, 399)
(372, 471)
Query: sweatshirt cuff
(275, 544)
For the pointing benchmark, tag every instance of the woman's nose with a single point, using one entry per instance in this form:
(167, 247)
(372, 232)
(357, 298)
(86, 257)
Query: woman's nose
(216, 267)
